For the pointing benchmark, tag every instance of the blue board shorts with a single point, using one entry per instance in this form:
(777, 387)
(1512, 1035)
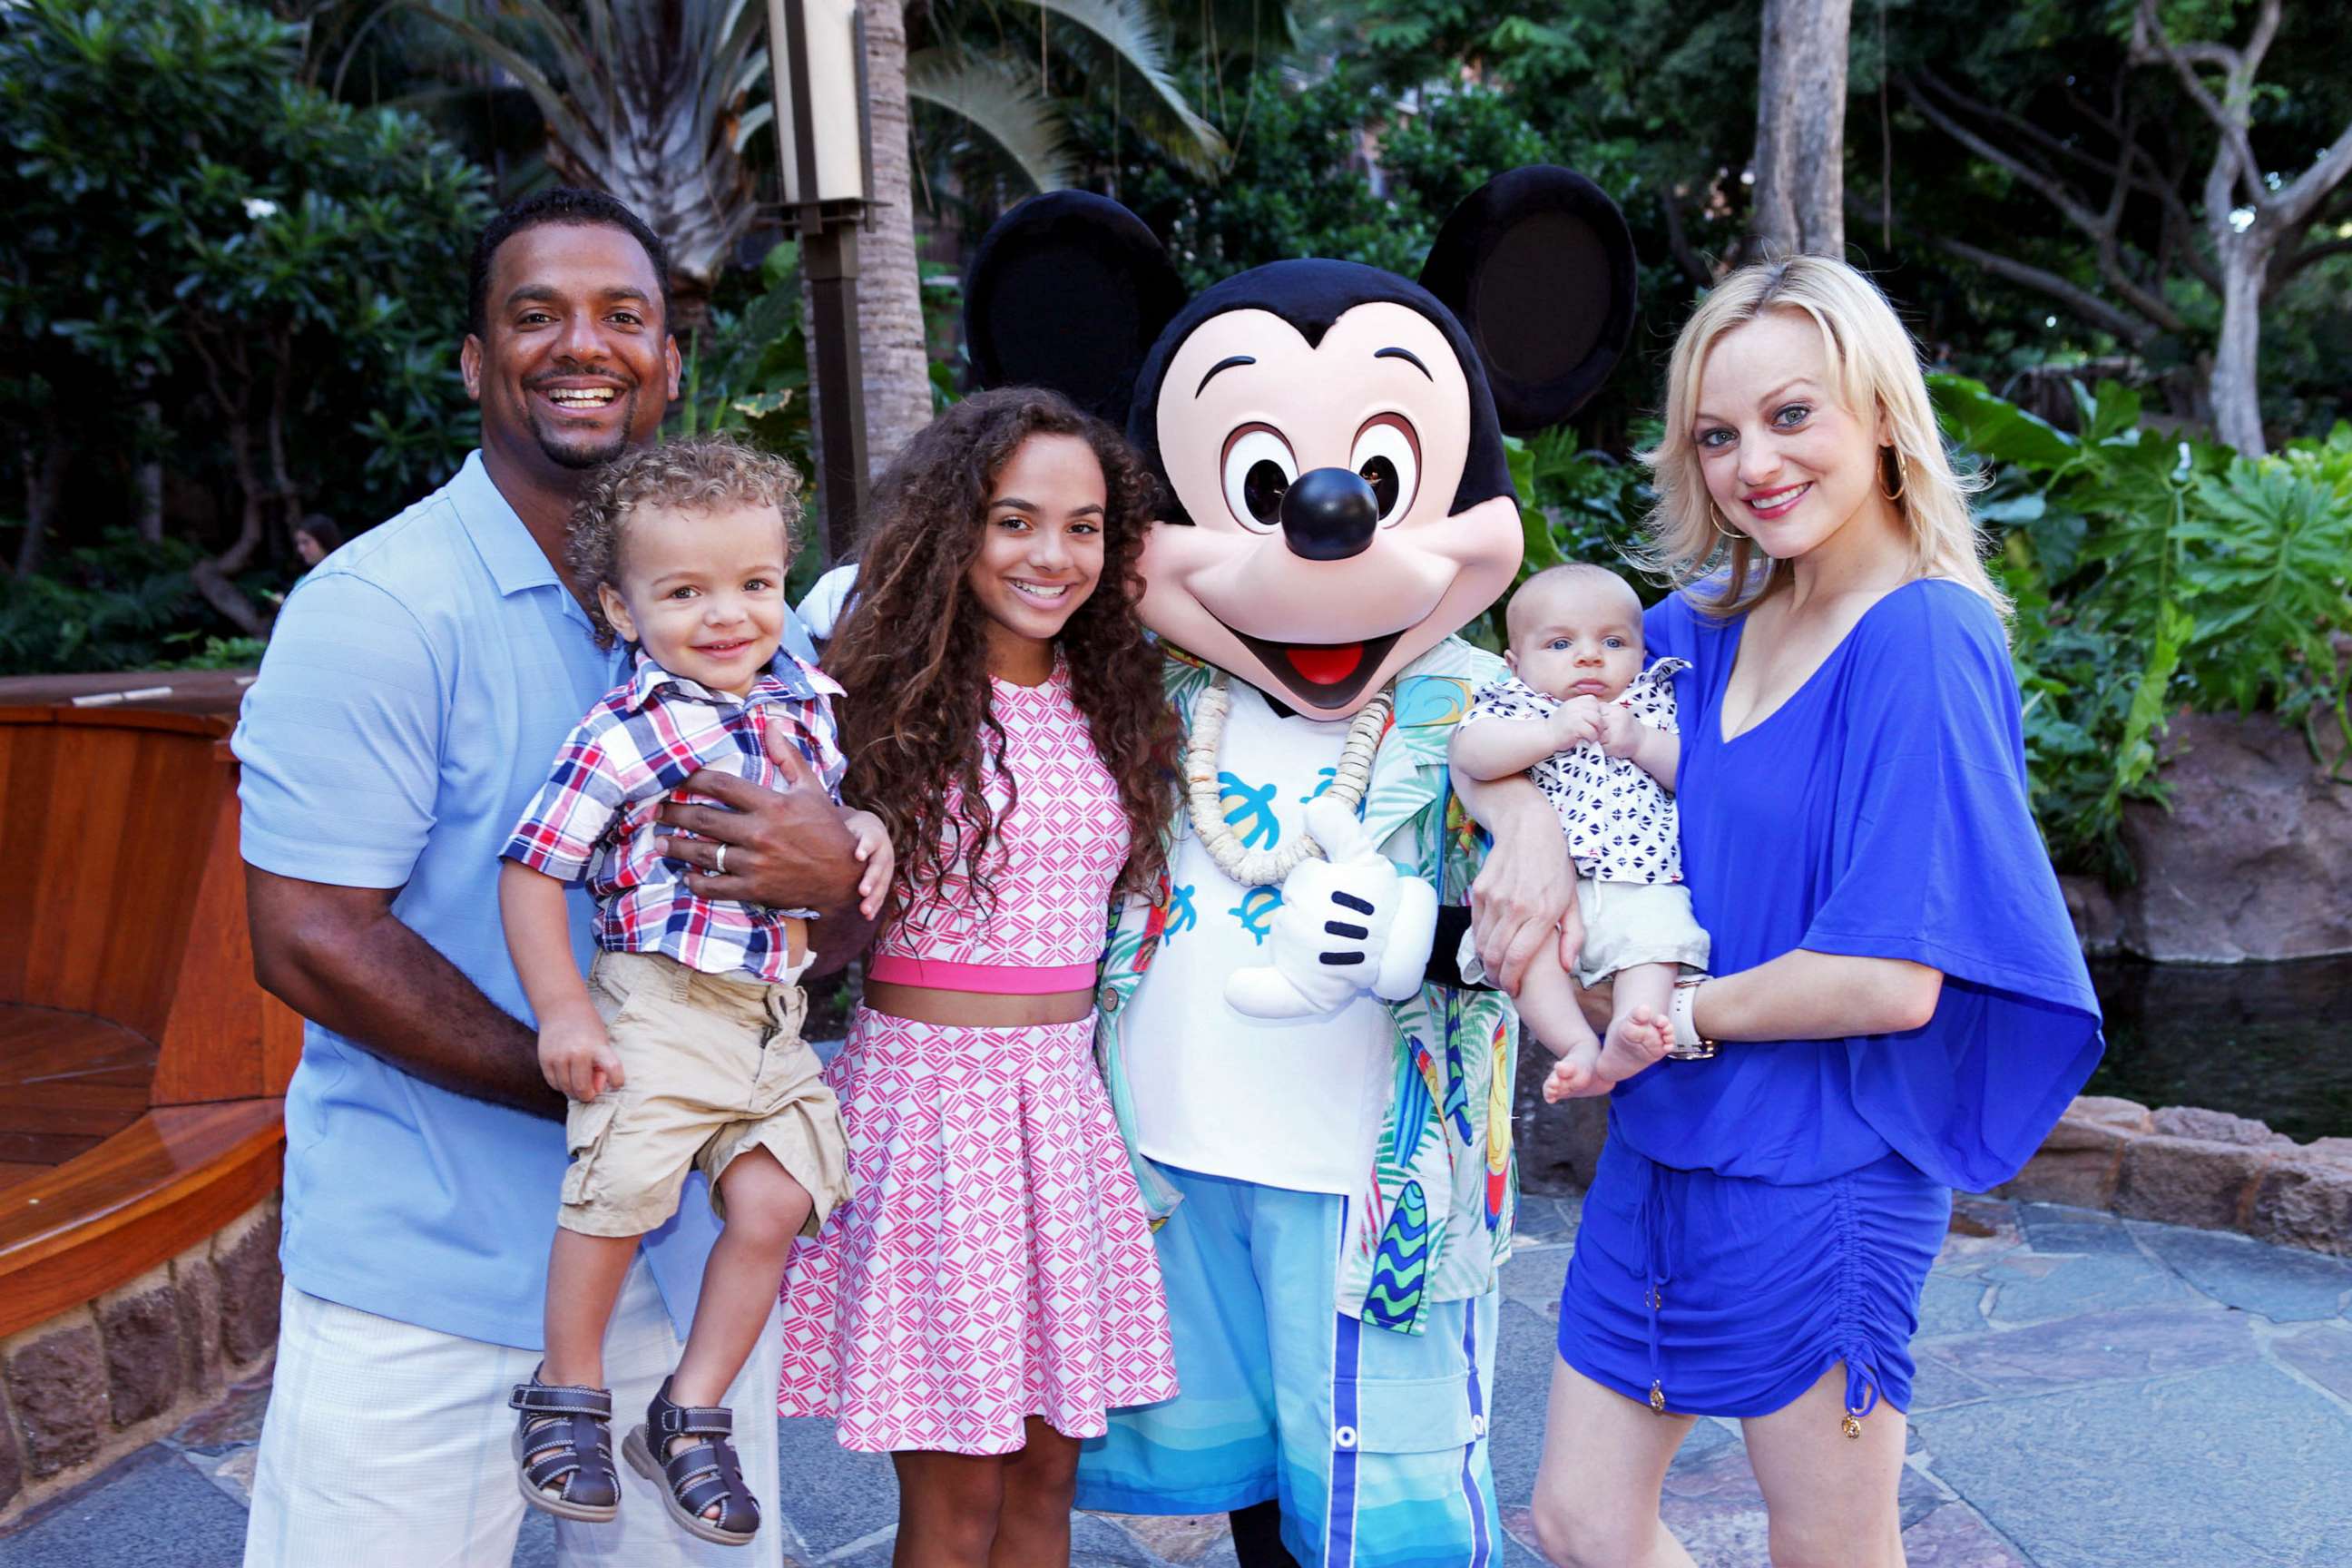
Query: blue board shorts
(1710, 1295)
(1374, 1442)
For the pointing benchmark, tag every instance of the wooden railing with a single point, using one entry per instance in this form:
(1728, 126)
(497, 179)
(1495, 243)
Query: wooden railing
(141, 1067)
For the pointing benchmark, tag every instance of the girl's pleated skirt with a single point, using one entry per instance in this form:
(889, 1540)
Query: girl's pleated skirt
(1710, 1295)
(993, 1261)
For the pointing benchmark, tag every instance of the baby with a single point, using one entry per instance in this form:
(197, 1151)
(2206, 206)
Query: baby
(691, 1005)
(1596, 732)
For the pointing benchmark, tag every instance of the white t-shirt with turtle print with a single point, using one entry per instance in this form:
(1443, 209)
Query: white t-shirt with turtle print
(1621, 823)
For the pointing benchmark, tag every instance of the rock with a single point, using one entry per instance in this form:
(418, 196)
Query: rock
(12, 1460)
(2218, 1127)
(2251, 858)
(2329, 1150)
(196, 1291)
(244, 1257)
(2109, 1111)
(2186, 1180)
(2098, 924)
(2080, 1163)
(1558, 1146)
(2304, 1202)
(140, 1327)
(57, 1385)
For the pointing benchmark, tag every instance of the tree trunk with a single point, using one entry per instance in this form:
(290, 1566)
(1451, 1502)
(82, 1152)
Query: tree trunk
(891, 350)
(1800, 161)
(2236, 383)
(45, 481)
(147, 475)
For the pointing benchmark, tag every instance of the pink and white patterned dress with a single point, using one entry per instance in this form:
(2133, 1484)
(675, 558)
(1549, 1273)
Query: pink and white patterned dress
(993, 1262)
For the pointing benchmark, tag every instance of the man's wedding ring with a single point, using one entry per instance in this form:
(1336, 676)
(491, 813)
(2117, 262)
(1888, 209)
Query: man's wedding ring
(718, 862)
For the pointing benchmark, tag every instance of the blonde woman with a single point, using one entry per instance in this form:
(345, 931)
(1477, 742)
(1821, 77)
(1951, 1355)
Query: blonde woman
(1899, 1007)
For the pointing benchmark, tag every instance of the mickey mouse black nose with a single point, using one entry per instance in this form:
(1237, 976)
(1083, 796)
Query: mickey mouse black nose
(1329, 514)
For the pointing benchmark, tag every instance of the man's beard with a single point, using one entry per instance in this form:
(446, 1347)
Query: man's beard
(581, 458)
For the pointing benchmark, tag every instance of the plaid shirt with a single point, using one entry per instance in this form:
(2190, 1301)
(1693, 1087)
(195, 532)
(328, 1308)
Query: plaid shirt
(635, 750)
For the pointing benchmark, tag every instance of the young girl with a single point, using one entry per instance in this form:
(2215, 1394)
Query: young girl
(1902, 1006)
(990, 1290)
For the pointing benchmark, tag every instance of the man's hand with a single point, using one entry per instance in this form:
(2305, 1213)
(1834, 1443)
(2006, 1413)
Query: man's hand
(786, 848)
(577, 1056)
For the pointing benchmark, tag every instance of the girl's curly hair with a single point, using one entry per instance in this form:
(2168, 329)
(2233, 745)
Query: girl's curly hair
(698, 474)
(912, 651)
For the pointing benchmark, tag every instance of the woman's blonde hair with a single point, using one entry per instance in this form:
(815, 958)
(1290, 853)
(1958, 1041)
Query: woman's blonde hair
(1874, 365)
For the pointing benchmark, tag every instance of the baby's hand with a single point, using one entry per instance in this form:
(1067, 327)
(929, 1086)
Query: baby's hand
(576, 1056)
(1620, 733)
(874, 850)
(1576, 722)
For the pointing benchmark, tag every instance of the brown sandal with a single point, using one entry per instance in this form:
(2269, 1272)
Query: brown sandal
(564, 1441)
(698, 1475)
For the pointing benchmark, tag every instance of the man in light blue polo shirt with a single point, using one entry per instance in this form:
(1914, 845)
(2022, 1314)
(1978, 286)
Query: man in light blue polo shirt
(417, 685)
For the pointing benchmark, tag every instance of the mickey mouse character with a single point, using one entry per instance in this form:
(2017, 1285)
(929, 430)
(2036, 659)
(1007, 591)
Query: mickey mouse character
(1332, 1113)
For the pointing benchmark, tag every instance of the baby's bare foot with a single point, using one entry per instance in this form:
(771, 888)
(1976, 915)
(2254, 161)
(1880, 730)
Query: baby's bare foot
(1634, 1042)
(1576, 1074)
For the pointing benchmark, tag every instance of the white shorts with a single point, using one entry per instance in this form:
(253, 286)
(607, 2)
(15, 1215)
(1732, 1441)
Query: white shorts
(1625, 924)
(1630, 924)
(386, 1445)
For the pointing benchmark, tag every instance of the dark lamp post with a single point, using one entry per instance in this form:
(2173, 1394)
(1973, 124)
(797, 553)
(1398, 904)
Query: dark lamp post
(817, 63)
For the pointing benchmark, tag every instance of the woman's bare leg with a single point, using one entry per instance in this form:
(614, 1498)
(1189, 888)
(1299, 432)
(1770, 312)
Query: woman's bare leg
(1831, 1496)
(1604, 1461)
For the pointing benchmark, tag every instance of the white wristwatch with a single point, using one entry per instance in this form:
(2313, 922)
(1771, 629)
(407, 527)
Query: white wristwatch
(1689, 1044)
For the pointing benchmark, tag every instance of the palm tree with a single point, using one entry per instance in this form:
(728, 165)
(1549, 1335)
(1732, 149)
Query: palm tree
(650, 99)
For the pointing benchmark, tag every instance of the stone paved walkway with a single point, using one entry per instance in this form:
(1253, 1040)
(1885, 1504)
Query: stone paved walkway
(2092, 1393)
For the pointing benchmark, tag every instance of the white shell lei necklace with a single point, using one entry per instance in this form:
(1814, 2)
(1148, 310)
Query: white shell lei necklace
(1202, 800)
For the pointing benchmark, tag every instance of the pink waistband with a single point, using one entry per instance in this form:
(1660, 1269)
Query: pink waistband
(995, 979)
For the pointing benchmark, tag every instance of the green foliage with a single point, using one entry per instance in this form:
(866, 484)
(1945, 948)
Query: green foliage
(2152, 571)
(191, 224)
(119, 604)
(749, 370)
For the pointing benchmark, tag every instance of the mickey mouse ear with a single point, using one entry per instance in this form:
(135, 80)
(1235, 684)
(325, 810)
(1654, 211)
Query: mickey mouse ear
(1068, 290)
(1538, 265)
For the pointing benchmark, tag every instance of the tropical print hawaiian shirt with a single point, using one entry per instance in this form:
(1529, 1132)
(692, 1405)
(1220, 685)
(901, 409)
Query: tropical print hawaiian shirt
(1438, 1195)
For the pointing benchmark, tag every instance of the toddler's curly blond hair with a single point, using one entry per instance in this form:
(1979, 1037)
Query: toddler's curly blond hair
(699, 474)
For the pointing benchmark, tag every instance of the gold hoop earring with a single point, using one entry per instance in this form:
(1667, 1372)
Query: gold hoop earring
(1902, 476)
(1715, 516)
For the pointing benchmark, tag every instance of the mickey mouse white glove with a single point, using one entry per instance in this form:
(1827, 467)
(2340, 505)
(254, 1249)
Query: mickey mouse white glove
(1348, 922)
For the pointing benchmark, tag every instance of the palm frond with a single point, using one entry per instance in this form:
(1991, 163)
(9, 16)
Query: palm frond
(1134, 32)
(998, 103)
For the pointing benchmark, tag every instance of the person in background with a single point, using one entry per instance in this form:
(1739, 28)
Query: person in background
(316, 537)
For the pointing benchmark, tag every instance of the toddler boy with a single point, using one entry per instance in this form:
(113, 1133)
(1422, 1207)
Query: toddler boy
(682, 1048)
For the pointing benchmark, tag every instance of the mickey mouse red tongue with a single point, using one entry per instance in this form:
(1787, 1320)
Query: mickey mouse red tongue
(1327, 664)
(1322, 675)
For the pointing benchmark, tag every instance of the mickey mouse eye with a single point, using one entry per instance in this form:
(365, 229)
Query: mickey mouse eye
(1388, 458)
(1259, 468)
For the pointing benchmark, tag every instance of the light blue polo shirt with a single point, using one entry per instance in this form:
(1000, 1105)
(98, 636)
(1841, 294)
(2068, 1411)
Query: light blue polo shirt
(417, 685)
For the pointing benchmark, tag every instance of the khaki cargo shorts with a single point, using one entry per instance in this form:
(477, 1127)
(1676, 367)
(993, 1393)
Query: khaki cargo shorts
(1630, 924)
(715, 1066)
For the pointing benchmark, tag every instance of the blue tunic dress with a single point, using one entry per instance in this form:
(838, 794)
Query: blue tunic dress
(1759, 1217)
